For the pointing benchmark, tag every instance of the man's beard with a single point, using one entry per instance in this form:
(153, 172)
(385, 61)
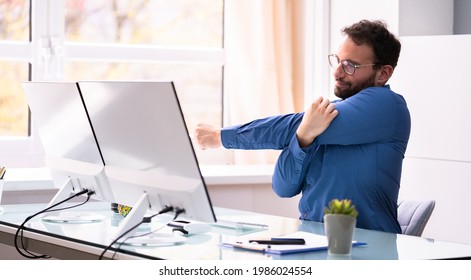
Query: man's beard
(346, 93)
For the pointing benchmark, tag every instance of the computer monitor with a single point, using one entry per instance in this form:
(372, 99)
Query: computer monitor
(71, 152)
(149, 158)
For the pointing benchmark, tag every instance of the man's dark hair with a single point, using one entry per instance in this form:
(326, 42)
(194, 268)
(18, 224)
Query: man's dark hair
(386, 47)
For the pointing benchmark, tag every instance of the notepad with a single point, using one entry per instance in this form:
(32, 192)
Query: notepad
(314, 242)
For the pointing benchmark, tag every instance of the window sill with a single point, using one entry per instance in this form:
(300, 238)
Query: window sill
(22, 179)
(237, 174)
(19, 179)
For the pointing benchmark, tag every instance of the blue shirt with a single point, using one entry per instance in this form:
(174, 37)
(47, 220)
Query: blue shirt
(358, 157)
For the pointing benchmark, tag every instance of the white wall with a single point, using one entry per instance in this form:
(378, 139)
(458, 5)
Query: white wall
(346, 12)
(433, 76)
(258, 198)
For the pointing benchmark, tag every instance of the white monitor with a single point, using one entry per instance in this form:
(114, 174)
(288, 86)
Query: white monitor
(147, 151)
(71, 152)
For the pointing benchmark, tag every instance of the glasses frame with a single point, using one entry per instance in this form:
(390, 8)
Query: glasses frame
(346, 63)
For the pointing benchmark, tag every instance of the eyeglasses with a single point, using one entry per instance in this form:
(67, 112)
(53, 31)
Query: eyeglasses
(347, 66)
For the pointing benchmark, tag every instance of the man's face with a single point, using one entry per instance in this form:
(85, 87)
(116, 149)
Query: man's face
(363, 77)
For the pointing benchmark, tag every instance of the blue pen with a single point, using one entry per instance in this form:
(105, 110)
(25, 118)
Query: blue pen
(279, 241)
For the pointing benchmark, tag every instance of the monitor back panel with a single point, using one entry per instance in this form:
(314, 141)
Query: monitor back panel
(63, 125)
(140, 127)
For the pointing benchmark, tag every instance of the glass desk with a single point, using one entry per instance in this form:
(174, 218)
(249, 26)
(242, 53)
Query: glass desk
(88, 240)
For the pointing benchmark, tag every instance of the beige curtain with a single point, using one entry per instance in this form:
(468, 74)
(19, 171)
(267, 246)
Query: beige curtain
(263, 72)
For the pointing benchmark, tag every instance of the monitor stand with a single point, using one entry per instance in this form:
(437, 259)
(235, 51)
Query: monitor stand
(154, 239)
(68, 216)
(125, 235)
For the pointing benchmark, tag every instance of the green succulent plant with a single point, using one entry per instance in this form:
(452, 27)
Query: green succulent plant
(343, 206)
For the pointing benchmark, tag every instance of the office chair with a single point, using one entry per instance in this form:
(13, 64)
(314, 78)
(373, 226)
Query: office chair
(413, 215)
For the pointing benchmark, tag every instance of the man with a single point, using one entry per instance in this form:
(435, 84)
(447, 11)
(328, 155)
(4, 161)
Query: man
(350, 148)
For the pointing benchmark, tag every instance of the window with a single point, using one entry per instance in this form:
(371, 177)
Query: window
(178, 40)
(14, 30)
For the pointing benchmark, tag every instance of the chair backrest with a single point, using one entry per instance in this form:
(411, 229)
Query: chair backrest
(413, 215)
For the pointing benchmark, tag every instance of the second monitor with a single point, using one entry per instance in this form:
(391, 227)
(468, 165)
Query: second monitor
(147, 151)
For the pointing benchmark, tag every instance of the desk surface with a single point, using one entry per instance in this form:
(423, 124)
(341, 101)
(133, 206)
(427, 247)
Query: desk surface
(87, 241)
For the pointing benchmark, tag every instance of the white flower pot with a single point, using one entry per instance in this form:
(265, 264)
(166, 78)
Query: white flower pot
(339, 232)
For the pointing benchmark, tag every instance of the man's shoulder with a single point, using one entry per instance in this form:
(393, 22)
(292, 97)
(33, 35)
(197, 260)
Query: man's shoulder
(380, 92)
(379, 89)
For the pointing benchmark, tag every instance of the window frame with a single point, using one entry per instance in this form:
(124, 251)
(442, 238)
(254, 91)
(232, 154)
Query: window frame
(24, 151)
(28, 152)
(47, 38)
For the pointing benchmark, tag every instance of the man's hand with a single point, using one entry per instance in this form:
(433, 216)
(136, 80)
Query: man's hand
(316, 119)
(207, 136)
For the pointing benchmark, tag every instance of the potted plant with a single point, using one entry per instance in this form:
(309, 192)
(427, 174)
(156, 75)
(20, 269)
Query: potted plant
(339, 223)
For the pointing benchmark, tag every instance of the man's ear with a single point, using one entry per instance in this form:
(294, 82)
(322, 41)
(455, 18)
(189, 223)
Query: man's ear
(383, 75)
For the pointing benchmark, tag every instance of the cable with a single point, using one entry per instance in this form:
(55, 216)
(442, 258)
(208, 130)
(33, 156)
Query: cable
(48, 209)
(144, 220)
(178, 211)
(89, 195)
(20, 230)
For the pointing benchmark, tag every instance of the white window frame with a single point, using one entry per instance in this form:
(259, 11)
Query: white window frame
(22, 151)
(47, 23)
(317, 48)
(47, 43)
